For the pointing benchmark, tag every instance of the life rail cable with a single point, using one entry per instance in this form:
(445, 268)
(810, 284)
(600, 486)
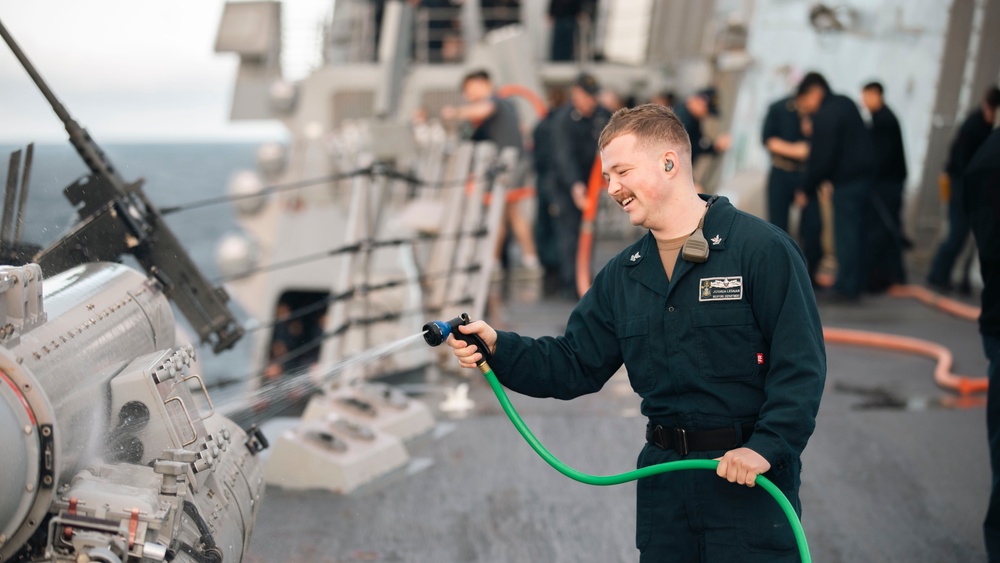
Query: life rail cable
(376, 170)
(359, 290)
(267, 190)
(359, 246)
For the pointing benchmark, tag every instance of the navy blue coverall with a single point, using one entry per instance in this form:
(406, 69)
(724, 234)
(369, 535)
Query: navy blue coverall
(885, 210)
(842, 153)
(982, 207)
(574, 138)
(787, 176)
(971, 135)
(731, 343)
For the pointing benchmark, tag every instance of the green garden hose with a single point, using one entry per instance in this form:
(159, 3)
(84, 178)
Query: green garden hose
(436, 332)
(604, 480)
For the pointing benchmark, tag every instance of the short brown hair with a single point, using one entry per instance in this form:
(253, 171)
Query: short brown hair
(650, 123)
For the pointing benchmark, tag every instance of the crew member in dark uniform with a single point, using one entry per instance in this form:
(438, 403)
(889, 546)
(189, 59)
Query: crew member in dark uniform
(885, 210)
(970, 136)
(697, 108)
(575, 129)
(725, 348)
(495, 119)
(784, 139)
(545, 231)
(981, 197)
(841, 153)
(492, 118)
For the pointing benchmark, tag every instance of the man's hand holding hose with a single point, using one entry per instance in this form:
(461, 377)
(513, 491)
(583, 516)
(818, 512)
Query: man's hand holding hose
(467, 354)
(741, 466)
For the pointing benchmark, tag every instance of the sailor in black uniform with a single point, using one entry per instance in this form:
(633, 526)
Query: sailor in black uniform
(722, 342)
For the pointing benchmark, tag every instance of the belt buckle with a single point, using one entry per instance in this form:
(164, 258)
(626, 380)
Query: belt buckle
(681, 441)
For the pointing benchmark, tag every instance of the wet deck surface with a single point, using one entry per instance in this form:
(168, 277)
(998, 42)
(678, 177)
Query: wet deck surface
(889, 475)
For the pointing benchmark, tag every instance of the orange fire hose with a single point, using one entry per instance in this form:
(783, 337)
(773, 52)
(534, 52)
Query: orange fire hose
(595, 186)
(924, 295)
(963, 384)
(536, 101)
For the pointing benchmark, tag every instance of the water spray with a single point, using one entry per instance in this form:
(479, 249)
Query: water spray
(436, 332)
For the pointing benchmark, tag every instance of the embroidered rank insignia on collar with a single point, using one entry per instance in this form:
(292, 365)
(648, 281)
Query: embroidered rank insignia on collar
(729, 288)
(716, 240)
(635, 257)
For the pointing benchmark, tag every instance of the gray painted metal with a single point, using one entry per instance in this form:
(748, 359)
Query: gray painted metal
(987, 71)
(22, 201)
(9, 197)
(253, 31)
(394, 52)
(100, 316)
(66, 384)
(19, 462)
(927, 211)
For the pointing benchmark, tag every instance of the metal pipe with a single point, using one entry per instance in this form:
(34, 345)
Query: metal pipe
(22, 200)
(9, 195)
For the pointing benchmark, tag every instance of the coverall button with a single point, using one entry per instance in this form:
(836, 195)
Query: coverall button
(671, 309)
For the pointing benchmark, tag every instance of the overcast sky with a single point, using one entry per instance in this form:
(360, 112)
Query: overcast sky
(127, 70)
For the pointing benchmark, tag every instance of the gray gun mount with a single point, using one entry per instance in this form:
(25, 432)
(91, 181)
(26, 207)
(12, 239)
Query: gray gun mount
(116, 218)
(108, 454)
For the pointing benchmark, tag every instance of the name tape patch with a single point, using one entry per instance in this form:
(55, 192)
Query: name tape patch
(728, 288)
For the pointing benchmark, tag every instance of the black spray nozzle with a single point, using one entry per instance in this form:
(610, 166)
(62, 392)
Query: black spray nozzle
(436, 332)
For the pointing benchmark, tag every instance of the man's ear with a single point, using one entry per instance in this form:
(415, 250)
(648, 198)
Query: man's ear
(669, 161)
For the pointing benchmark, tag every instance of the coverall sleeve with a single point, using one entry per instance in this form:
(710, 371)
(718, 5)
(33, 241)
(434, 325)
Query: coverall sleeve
(964, 146)
(785, 309)
(564, 367)
(822, 151)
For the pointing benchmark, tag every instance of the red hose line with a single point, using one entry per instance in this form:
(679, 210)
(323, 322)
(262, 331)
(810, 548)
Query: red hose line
(536, 101)
(945, 304)
(595, 185)
(943, 376)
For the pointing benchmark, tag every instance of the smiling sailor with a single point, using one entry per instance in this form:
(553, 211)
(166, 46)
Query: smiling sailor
(714, 317)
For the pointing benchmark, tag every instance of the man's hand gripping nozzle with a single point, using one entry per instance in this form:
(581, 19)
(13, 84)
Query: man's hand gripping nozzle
(436, 332)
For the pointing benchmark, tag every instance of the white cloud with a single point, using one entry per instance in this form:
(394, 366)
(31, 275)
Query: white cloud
(126, 69)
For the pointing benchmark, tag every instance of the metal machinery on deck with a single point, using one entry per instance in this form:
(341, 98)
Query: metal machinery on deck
(107, 453)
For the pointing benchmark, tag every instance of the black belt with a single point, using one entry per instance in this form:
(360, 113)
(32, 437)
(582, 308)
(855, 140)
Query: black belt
(686, 441)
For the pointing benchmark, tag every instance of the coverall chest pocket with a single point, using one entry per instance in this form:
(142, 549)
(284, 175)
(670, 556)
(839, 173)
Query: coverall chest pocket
(726, 341)
(633, 337)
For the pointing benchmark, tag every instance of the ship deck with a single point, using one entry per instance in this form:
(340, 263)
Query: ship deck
(894, 472)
